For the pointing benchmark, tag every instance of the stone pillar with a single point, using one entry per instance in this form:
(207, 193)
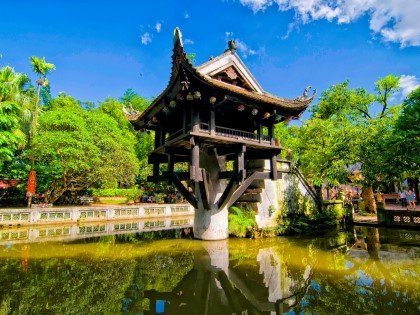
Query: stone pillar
(211, 225)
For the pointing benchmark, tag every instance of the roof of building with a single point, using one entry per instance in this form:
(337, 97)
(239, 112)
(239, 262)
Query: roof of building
(207, 73)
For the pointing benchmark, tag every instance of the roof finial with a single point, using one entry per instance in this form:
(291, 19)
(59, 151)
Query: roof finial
(232, 45)
(178, 36)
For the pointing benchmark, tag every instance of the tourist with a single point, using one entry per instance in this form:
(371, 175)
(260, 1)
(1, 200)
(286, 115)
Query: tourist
(403, 199)
(411, 198)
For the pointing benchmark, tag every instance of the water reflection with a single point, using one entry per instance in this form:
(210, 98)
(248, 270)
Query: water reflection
(363, 271)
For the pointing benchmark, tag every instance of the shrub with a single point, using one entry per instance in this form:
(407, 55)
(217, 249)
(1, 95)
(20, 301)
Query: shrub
(131, 194)
(241, 221)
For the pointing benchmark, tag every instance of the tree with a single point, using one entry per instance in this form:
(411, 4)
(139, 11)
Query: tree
(86, 148)
(41, 68)
(345, 131)
(13, 95)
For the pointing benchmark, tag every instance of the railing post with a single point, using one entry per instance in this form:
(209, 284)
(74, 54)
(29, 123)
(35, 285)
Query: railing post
(212, 122)
(260, 133)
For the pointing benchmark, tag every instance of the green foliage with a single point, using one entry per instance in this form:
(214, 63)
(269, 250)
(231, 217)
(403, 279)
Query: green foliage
(131, 194)
(241, 221)
(85, 149)
(344, 131)
(40, 66)
(299, 214)
(13, 93)
(138, 102)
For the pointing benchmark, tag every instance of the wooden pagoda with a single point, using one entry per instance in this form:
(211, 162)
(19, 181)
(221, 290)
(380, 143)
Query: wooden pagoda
(212, 121)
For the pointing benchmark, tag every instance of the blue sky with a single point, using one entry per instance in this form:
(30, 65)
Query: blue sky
(101, 48)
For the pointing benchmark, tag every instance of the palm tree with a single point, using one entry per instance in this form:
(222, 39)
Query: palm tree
(41, 68)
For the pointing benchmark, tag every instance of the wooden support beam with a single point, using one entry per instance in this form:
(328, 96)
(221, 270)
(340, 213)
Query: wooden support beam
(204, 191)
(241, 189)
(260, 132)
(173, 178)
(227, 193)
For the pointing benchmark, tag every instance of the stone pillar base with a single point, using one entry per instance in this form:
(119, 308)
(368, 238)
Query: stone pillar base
(211, 225)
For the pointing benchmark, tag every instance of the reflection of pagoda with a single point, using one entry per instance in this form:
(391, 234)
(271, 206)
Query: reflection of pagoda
(206, 117)
(214, 287)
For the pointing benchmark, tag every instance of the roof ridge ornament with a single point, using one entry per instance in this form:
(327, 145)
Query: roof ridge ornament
(232, 45)
(305, 96)
(178, 36)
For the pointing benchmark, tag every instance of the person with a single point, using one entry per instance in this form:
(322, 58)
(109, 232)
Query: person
(403, 199)
(411, 198)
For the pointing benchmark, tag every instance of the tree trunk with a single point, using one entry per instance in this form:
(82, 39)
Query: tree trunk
(369, 199)
(373, 243)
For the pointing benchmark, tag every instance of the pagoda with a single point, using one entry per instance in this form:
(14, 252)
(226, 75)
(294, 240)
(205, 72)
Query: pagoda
(212, 124)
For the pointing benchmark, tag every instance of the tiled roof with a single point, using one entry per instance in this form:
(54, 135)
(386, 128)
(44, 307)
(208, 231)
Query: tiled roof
(180, 60)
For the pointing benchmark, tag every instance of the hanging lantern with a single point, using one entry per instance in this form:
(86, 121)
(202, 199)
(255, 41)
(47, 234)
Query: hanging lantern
(172, 104)
(179, 97)
(254, 111)
(149, 124)
(241, 107)
(277, 117)
(267, 115)
(212, 100)
(189, 97)
(165, 110)
(197, 95)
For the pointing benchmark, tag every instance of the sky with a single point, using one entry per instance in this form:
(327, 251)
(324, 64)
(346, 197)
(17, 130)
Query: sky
(102, 48)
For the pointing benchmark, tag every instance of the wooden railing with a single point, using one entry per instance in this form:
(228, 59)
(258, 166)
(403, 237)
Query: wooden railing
(224, 132)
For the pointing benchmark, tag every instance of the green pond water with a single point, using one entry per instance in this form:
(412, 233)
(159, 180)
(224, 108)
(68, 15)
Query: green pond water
(361, 271)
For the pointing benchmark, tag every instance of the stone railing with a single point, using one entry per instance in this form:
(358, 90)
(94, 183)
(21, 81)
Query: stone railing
(24, 216)
(399, 218)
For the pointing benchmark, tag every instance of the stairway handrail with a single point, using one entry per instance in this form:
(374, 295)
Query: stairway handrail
(305, 183)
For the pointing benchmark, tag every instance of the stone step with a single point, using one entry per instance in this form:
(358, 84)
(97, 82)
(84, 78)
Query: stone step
(258, 183)
(250, 198)
(253, 191)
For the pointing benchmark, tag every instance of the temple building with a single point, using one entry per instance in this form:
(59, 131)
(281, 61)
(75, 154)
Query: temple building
(214, 124)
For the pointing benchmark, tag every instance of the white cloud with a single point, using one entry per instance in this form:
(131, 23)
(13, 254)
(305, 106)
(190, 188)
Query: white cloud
(244, 49)
(228, 35)
(146, 39)
(188, 41)
(158, 27)
(395, 20)
(186, 15)
(408, 83)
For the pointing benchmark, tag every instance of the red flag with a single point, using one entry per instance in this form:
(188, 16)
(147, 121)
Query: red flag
(31, 183)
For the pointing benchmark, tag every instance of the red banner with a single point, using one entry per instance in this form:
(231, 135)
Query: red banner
(31, 183)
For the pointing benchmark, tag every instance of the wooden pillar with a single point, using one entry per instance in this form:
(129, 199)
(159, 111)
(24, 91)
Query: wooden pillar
(260, 132)
(158, 142)
(195, 174)
(184, 120)
(195, 118)
(240, 163)
(212, 123)
(155, 172)
(271, 134)
(273, 166)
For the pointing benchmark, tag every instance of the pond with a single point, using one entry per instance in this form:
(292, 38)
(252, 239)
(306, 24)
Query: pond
(361, 271)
